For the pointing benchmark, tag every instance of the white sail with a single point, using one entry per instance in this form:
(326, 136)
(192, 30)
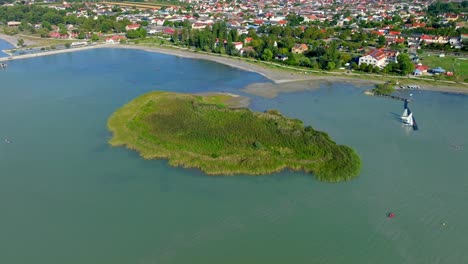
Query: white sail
(405, 113)
(409, 120)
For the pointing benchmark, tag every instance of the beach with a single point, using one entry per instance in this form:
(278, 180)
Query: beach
(283, 80)
(13, 40)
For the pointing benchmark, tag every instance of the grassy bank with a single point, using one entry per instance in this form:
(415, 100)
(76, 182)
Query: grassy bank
(205, 132)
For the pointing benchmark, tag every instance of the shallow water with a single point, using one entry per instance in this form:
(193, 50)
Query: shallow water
(3, 46)
(67, 197)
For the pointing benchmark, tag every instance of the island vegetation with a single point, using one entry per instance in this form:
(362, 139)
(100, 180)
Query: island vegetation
(384, 89)
(208, 132)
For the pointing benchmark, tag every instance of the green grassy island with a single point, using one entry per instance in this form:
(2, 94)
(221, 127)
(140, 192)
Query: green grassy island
(211, 133)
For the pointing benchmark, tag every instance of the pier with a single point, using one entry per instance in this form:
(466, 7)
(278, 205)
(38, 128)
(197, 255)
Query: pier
(370, 92)
(406, 100)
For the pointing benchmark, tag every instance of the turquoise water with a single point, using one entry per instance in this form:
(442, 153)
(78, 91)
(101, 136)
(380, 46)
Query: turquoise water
(3, 46)
(67, 197)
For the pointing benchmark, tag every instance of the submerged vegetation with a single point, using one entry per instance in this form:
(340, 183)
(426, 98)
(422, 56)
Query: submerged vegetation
(205, 132)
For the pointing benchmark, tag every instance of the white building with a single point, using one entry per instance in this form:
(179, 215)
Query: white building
(379, 57)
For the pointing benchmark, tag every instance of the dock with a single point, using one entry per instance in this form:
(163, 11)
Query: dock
(370, 92)
(395, 97)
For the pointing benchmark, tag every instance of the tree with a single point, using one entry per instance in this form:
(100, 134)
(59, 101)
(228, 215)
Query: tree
(406, 66)
(331, 65)
(63, 31)
(94, 37)
(46, 25)
(132, 34)
(43, 32)
(267, 55)
(294, 20)
(381, 41)
(20, 43)
(67, 45)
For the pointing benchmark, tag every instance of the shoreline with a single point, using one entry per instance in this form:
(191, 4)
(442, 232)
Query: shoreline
(281, 79)
(13, 40)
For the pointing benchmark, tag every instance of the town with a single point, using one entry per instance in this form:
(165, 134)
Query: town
(426, 39)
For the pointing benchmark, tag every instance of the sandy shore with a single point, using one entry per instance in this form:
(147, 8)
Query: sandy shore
(282, 80)
(276, 76)
(13, 40)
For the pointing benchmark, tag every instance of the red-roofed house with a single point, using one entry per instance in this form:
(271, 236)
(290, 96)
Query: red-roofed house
(238, 45)
(114, 39)
(132, 27)
(434, 39)
(258, 22)
(299, 48)
(168, 31)
(422, 68)
(57, 35)
(379, 57)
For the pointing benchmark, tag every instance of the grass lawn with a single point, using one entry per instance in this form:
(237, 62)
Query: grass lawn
(449, 63)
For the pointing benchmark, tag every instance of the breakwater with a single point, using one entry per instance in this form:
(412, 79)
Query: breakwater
(369, 92)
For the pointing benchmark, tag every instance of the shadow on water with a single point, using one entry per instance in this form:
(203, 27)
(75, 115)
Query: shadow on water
(396, 116)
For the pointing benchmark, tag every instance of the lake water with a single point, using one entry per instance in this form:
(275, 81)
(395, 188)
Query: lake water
(67, 197)
(4, 46)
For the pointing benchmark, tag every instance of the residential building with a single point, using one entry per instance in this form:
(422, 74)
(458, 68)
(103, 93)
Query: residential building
(379, 57)
(299, 48)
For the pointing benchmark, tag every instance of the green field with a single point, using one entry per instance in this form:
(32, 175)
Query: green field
(205, 132)
(459, 66)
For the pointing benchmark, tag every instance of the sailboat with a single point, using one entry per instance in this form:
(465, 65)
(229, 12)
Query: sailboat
(407, 117)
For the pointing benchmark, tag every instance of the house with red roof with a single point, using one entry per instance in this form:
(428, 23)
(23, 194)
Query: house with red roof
(238, 45)
(434, 39)
(168, 31)
(379, 57)
(420, 70)
(282, 23)
(114, 39)
(258, 22)
(55, 34)
(299, 48)
(132, 27)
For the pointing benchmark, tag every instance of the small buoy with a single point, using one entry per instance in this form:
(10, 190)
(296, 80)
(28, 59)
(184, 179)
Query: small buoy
(443, 223)
(390, 215)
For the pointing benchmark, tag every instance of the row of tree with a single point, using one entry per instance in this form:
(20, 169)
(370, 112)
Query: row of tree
(48, 19)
